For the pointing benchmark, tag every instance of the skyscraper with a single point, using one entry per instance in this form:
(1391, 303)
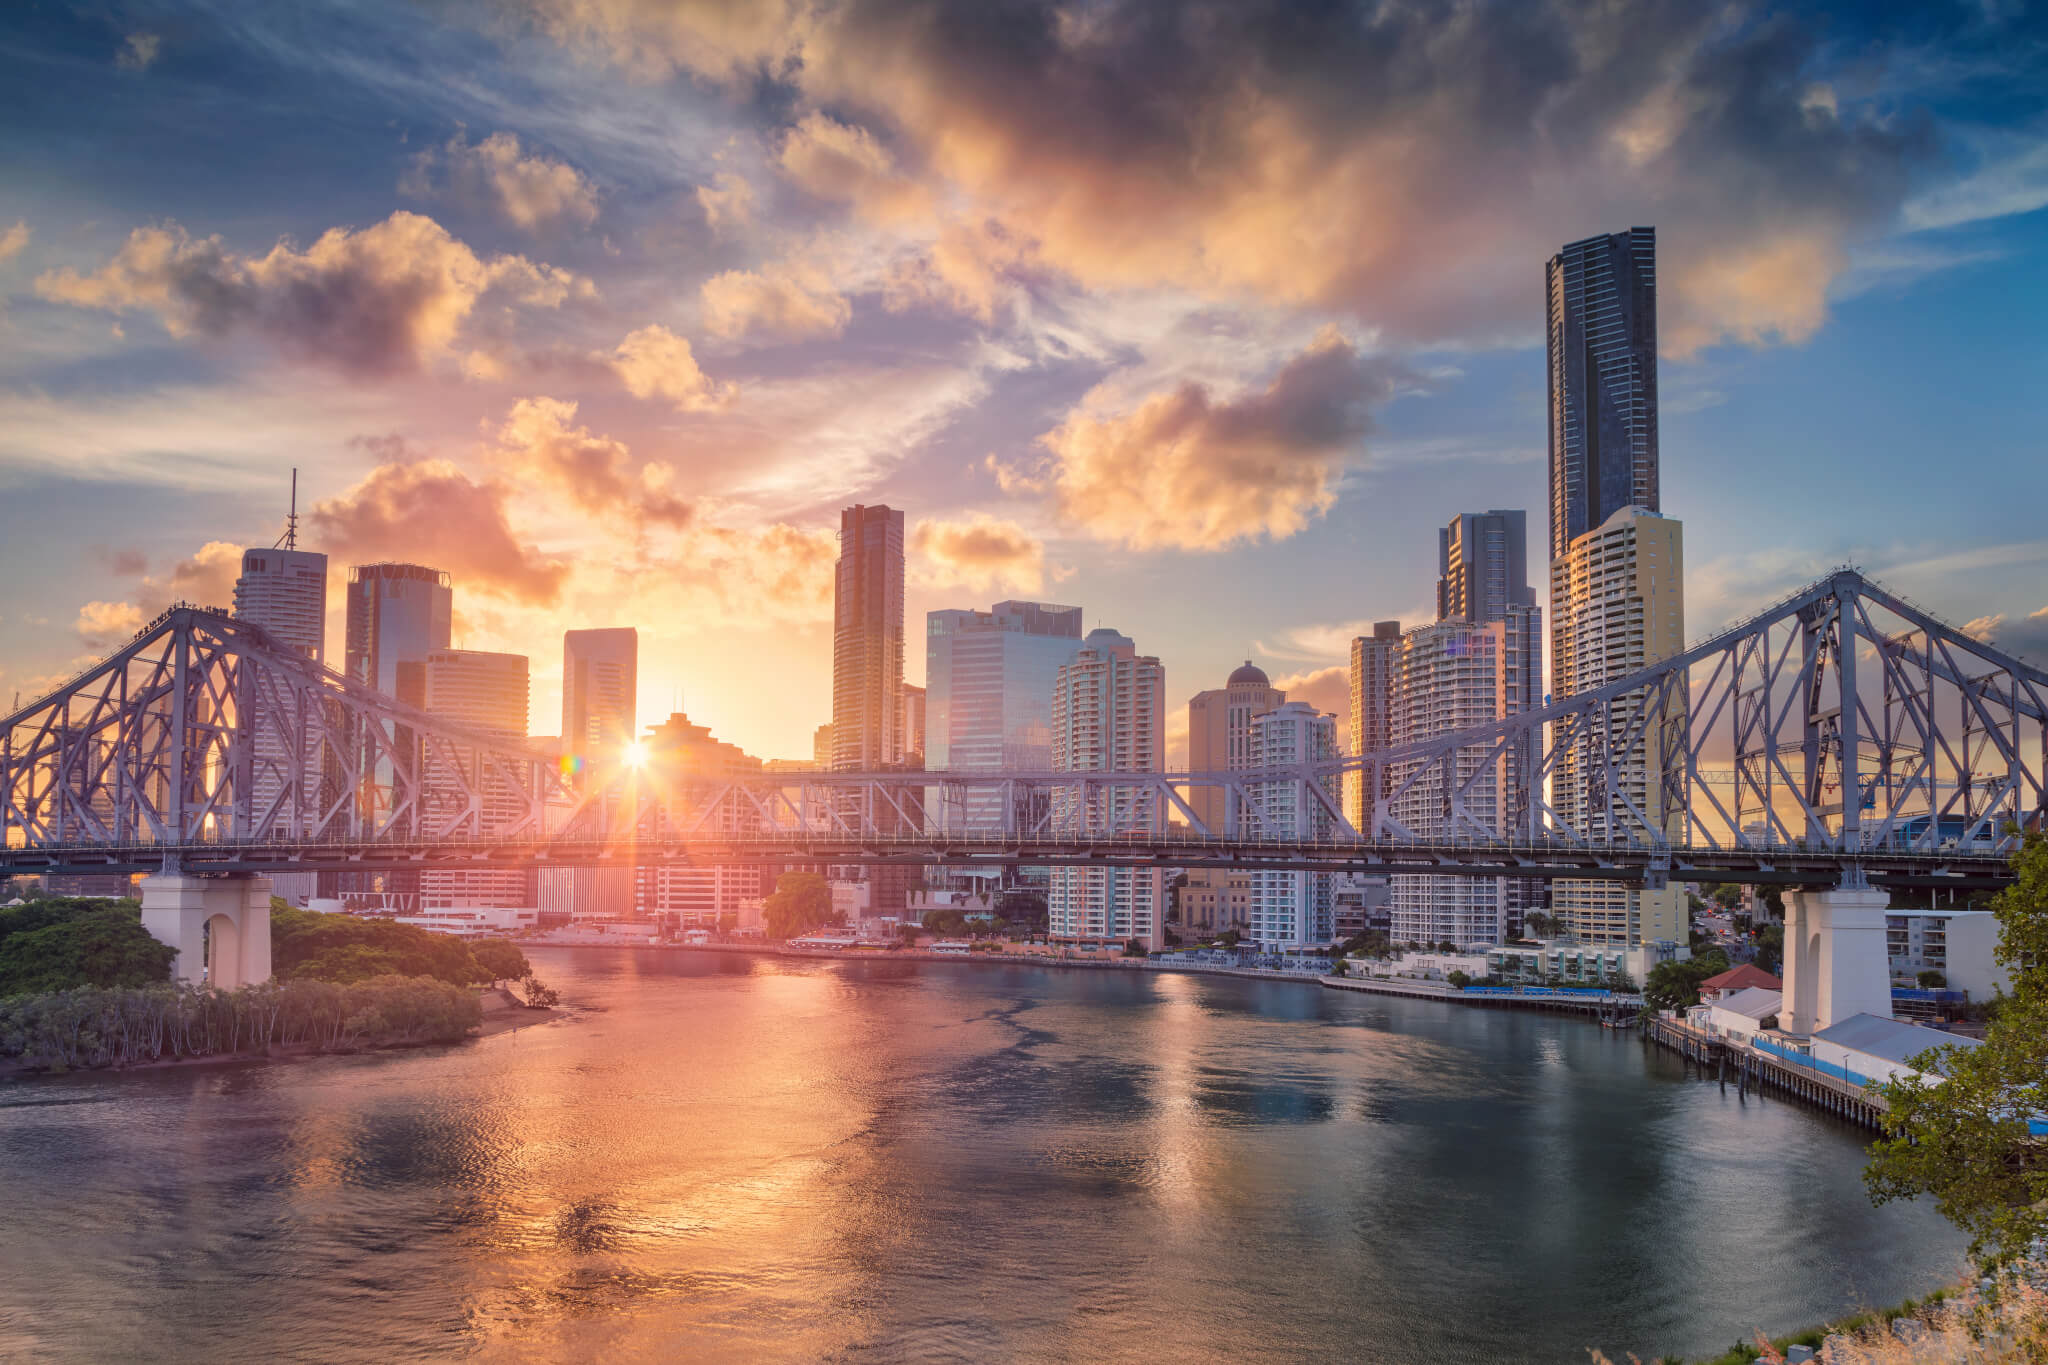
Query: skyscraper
(397, 615)
(600, 682)
(680, 757)
(867, 640)
(1292, 909)
(989, 679)
(1620, 607)
(911, 726)
(1220, 737)
(1372, 699)
(1483, 566)
(1108, 715)
(285, 592)
(486, 693)
(1603, 381)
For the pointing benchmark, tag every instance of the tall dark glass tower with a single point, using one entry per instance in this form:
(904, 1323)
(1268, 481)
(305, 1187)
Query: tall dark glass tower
(1603, 381)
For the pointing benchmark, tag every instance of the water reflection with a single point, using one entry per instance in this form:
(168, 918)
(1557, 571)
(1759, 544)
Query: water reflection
(720, 1156)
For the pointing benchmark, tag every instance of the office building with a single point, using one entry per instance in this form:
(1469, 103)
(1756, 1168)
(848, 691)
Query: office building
(867, 641)
(688, 762)
(600, 692)
(1108, 715)
(821, 746)
(397, 615)
(1292, 909)
(487, 694)
(1212, 900)
(1220, 738)
(1617, 606)
(912, 724)
(1603, 382)
(989, 679)
(284, 591)
(1483, 566)
(1372, 700)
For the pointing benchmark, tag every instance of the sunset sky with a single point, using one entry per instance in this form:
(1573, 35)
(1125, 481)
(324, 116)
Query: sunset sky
(1201, 317)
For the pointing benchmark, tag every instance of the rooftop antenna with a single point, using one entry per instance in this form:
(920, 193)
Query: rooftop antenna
(290, 539)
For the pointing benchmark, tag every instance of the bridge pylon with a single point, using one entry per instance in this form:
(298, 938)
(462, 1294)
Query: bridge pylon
(219, 925)
(1836, 963)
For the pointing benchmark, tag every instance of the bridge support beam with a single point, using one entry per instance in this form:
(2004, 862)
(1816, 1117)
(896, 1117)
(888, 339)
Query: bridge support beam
(1836, 964)
(219, 925)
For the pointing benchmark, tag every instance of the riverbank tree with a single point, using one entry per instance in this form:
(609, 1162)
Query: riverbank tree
(801, 902)
(54, 943)
(1967, 1138)
(94, 1026)
(1676, 985)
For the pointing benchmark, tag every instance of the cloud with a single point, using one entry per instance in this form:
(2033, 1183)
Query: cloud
(1983, 629)
(656, 363)
(2014, 181)
(789, 301)
(1410, 165)
(430, 512)
(139, 51)
(981, 552)
(1187, 470)
(540, 442)
(1326, 689)
(380, 301)
(846, 163)
(971, 268)
(729, 204)
(205, 579)
(14, 239)
(530, 191)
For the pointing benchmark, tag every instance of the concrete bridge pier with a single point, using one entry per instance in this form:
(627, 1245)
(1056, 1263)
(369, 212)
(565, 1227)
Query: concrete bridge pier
(1835, 959)
(219, 925)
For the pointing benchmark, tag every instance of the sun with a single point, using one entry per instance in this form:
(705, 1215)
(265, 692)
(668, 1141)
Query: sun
(637, 754)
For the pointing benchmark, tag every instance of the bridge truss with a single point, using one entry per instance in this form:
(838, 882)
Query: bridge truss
(1841, 734)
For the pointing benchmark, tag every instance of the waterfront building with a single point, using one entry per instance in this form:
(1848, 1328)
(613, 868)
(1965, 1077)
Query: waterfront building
(1617, 606)
(487, 694)
(1960, 944)
(284, 591)
(1372, 700)
(1108, 715)
(1603, 382)
(1292, 909)
(687, 762)
(989, 678)
(600, 692)
(867, 641)
(1449, 676)
(1214, 899)
(1220, 738)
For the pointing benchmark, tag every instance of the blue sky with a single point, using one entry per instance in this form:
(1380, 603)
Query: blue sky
(1203, 317)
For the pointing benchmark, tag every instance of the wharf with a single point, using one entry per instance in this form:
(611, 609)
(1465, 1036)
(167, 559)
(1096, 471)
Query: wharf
(1599, 1004)
(1749, 1066)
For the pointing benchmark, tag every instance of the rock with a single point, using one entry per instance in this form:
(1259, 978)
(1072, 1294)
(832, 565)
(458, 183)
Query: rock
(1909, 1330)
(1797, 1355)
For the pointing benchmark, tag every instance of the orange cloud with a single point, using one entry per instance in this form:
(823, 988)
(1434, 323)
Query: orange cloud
(1326, 689)
(540, 441)
(1188, 471)
(789, 300)
(206, 578)
(656, 363)
(429, 512)
(982, 553)
(383, 300)
(530, 191)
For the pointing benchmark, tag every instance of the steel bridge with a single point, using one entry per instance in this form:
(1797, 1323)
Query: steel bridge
(1841, 737)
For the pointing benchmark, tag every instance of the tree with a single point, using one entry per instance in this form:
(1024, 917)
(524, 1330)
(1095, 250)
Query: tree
(539, 996)
(1727, 895)
(500, 958)
(1134, 948)
(1536, 924)
(800, 903)
(1770, 948)
(79, 943)
(1459, 979)
(1966, 1139)
(1447, 947)
(1026, 908)
(1933, 980)
(345, 948)
(1676, 985)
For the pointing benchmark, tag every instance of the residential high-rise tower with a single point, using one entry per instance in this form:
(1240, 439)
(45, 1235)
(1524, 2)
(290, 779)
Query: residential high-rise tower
(867, 640)
(1220, 737)
(1603, 381)
(1108, 715)
(1372, 699)
(1292, 909)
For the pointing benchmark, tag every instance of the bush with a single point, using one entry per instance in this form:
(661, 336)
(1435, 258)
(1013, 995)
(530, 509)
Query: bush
(56, 945)
(1459, 979)
(1933, 980)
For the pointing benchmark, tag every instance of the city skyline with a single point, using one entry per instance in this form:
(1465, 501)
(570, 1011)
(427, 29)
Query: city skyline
(673, 333)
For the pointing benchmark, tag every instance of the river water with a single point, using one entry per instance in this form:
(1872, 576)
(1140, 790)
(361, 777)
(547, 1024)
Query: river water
(718, 1157)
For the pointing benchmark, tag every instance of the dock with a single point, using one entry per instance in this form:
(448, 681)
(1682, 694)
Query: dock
(1751, 1067)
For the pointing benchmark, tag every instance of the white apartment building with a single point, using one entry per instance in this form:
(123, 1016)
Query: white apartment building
(1617, 605)
(1108, 715)
(1292, 909)
(285, 592)
(1452, 675)
(1960, 944)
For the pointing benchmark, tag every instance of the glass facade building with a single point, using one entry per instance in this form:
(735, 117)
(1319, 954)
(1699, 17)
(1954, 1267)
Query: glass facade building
(989, 679)
(1603, 381)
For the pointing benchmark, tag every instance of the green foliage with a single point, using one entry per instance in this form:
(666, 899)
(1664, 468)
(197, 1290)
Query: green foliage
(1459, 979)
(1025, 908)
(1932, 979)
(800, 903)
(1134, 949)
(500, 959)
(1727, 895)
(1537, 924)
(1447, 947)
(539, 996)
(1770, 948)
(946, 920)
(1675, 985)
(1340, 968)
(127, 1026)
(1229, 938)
(346, 948)
(1964, 1140)
(57, 943)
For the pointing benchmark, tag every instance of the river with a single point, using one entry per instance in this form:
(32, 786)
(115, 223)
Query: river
(720, 1157)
